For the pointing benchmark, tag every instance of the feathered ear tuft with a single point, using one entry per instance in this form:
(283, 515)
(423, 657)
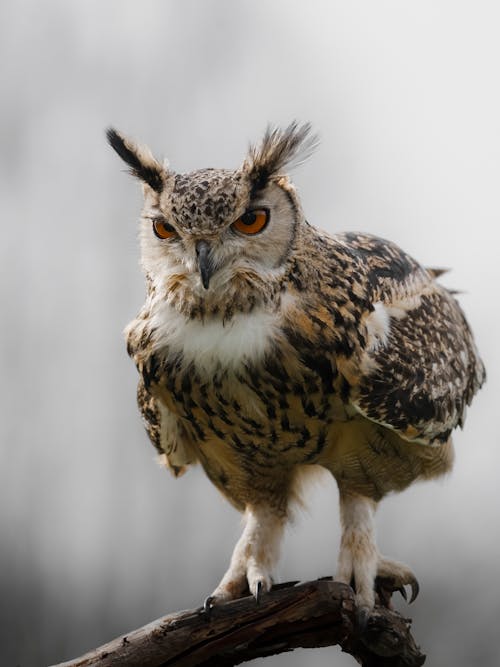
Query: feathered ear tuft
(141, 161)
(279, 148)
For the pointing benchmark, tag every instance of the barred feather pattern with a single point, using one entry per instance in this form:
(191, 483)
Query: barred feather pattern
(297, 349)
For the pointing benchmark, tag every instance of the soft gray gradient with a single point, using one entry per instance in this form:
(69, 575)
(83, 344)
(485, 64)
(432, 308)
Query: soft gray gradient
(95, 538)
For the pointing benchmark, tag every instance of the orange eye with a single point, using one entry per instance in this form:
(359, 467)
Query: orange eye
(162, 229)
(252, 222)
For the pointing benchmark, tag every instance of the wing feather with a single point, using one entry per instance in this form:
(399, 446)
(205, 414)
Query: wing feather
(420, 367)
(166, 432)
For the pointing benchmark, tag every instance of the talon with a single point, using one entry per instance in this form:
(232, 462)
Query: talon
(402, 590)
(415, 589)
(258, 592)
(362, 616)
(208, 605)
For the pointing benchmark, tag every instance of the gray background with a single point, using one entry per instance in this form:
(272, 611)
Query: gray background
(95, 538)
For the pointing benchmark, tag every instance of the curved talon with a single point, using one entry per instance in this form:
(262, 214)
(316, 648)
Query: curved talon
(208, 605)
(258, 592)
(362, 616)
(403, 592)
(415, 589)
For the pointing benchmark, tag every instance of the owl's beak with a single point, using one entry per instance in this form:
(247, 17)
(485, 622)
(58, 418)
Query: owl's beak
(204, 262)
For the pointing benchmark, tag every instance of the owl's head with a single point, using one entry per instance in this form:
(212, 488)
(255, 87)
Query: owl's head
(211, 232)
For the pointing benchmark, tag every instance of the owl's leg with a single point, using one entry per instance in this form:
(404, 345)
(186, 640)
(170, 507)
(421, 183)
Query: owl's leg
(358, 555)
(361, 563)
(254, 557)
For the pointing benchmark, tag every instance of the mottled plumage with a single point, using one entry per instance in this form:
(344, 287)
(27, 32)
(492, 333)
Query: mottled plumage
(265, 353)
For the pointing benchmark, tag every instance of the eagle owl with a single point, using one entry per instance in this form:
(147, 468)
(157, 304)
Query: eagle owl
(267, 347)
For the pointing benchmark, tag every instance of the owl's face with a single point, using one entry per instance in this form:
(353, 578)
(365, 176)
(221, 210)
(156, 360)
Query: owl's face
(208, 226)
(208, 232)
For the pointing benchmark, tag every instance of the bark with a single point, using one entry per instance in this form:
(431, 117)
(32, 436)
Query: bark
(313, 614)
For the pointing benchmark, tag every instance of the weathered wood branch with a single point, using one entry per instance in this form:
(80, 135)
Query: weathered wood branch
(312, 614)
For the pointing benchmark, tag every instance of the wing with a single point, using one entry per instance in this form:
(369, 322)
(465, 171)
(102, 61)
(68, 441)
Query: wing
(419, 367)
(165, 432)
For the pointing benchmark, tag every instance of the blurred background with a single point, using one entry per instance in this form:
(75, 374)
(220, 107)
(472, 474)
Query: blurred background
(95, 538)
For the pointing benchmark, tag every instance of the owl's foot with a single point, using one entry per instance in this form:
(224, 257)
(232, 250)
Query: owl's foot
(253, 560)
(358, 555)
(360, 563)
(221, 594)
(255, 580)
(393, 576)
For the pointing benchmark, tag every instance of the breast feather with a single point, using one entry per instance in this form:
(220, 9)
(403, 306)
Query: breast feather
(211, 343)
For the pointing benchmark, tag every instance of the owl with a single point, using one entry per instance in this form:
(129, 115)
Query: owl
(267, 348)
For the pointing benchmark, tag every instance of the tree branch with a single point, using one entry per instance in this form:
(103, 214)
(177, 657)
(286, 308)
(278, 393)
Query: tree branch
(312, 614)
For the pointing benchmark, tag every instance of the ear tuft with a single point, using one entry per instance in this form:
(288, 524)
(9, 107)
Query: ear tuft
(279, 148)
(139, 158)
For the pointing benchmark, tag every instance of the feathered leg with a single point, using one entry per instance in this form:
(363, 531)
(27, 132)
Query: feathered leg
(358, 555)
(254, 557)
(360, 562)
